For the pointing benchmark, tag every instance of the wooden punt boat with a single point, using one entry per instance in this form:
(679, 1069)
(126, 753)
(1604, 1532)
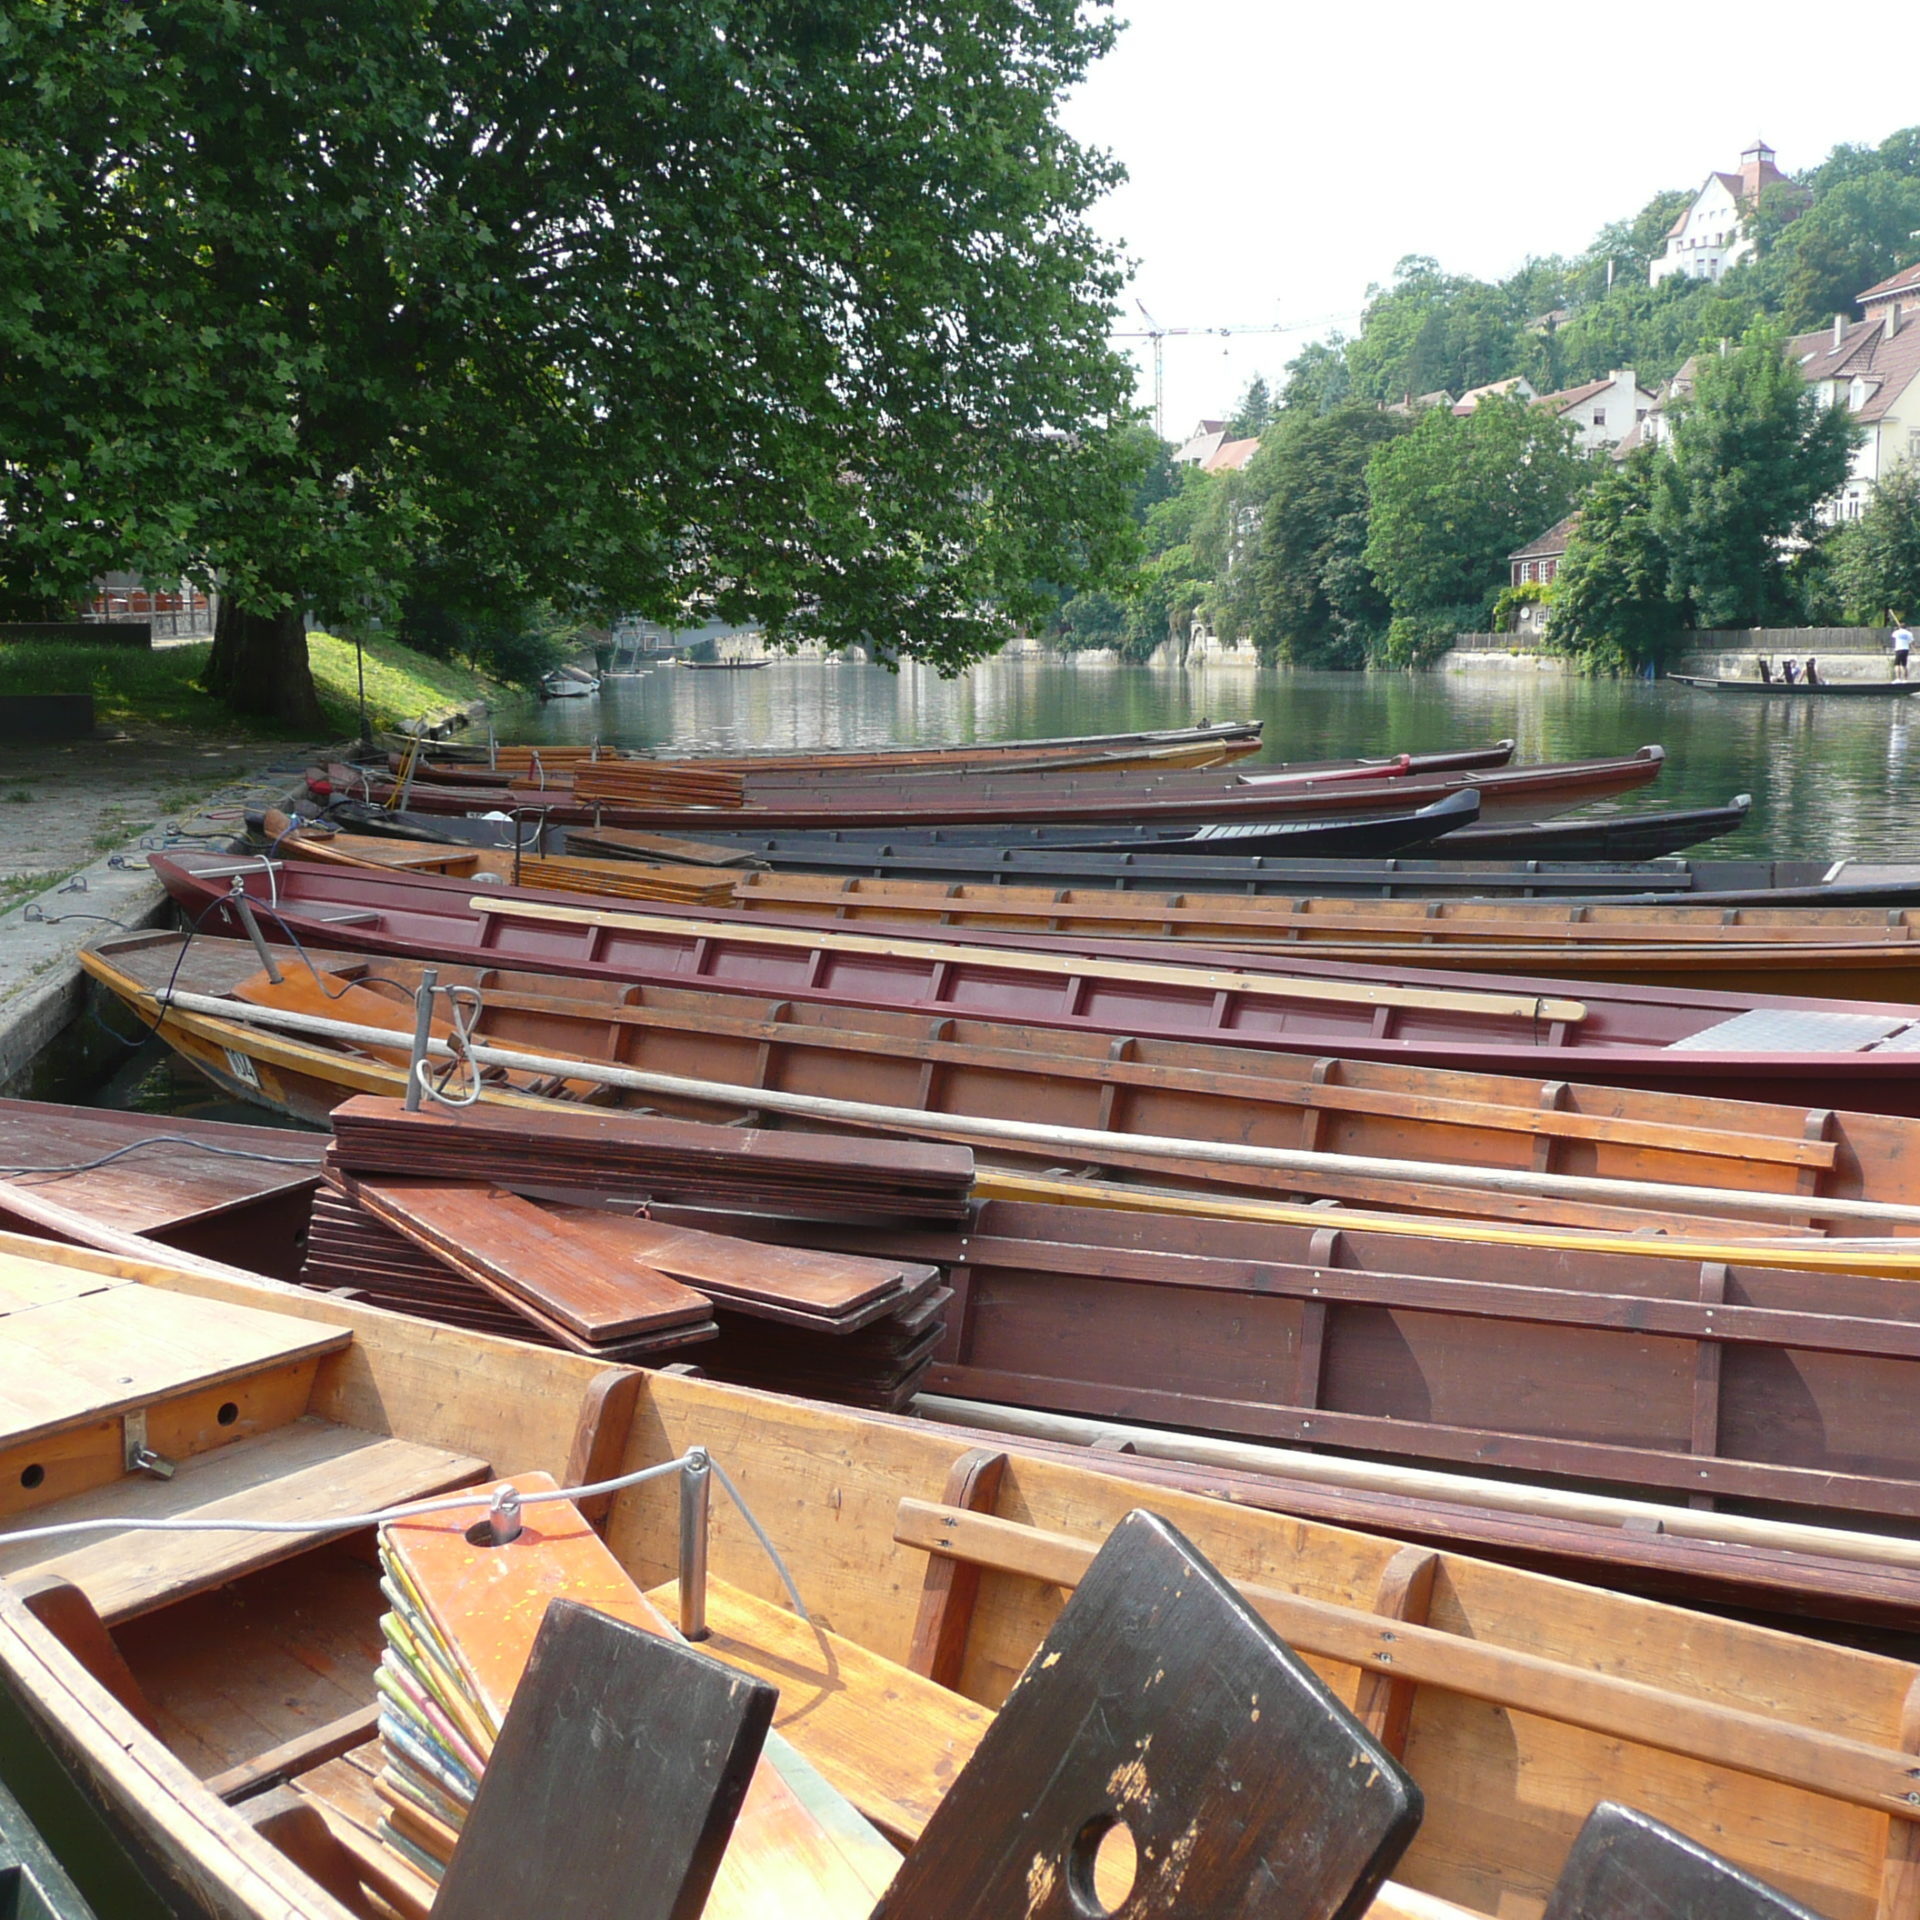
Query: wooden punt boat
(182, 1690)
(1056, 1254)
(1591, 1158)
(1257, 876)
(1512, 794)
(203, 1186)
(534, 768)
(1730, 948)
(1809, 1051)
(1377, 835)
(1631, 837)
(725, 666)
(1243, 735)
(1799, 690)
(1862, 951)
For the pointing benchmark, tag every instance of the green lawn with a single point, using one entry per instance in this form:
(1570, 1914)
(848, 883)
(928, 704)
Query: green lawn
(135, 688)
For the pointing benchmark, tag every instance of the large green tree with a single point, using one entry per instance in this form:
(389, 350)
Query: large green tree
(1613, 603)
(772, 311)
(1753, 455)
(1451, 499)
(1300, 589)
(1876, 562)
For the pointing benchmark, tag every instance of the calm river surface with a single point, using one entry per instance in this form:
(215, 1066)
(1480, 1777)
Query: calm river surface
(1828, 778)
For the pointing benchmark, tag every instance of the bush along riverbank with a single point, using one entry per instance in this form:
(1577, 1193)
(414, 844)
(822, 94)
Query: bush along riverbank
(145, 691)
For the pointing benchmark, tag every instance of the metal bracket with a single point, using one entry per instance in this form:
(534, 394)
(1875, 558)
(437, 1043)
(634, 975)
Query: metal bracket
(135, 1455)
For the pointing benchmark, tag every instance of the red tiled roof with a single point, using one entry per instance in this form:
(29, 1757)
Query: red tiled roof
(1888, 366)
(1907, 280)
(1572, 396)
(1231, 456)
(1550, 543)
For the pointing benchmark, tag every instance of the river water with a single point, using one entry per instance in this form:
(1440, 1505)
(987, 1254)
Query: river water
(1828, 778)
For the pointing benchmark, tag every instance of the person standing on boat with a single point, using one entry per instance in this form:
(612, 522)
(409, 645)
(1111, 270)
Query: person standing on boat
(1902, 643)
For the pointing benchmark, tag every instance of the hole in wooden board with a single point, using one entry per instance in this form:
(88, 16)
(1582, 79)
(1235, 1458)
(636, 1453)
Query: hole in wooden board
(229, 1412)
(1102, 1864)
(32, 1476)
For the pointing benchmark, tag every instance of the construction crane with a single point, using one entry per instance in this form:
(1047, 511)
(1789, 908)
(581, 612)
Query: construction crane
(1160, 335)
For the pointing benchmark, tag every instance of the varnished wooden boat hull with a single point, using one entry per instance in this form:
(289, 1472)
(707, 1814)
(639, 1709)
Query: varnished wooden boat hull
(1625, 1036)
(935, 1069)
(1243, 735)
(1516, 794)
(1785, 1754)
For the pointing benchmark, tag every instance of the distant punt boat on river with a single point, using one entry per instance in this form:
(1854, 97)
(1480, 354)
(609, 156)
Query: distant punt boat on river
(725, 666)
(1799, 690)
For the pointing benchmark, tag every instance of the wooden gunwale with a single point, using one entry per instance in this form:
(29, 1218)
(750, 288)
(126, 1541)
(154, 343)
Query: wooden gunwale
(1787, 1752)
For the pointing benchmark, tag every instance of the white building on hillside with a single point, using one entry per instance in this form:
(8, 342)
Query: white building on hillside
(1871, 367)
(1602, 413)
(1714, 233)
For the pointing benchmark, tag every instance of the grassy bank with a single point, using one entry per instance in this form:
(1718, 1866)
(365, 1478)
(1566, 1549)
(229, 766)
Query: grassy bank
(138, 689)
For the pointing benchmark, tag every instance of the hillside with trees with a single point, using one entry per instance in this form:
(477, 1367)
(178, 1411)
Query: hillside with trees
(1369, 527)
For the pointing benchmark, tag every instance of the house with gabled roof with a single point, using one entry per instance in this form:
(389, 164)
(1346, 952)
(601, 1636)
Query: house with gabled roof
(1715, 231)
(1602, 413)
(1201, 444)
(1871, 366)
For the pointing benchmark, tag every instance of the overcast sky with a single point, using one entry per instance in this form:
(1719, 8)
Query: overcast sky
(1282, 157)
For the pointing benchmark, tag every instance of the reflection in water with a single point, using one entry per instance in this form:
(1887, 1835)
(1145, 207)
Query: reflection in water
(1826, 778)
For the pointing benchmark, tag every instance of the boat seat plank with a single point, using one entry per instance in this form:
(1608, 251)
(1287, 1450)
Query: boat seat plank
(892, 1742)
(28, 1284)
(1157, 1696)
(308, 1469)
(609, 1718)
(81, 1359)
(1625, 1866)
(504, 1242)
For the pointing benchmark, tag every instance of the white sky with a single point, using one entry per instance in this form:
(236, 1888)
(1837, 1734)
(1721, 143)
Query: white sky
(1281, 156)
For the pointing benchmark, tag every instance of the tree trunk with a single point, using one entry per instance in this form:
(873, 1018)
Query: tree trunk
(259, 666)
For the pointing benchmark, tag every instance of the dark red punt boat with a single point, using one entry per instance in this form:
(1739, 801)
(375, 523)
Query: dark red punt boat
(1513, 794)
(1819, 1053)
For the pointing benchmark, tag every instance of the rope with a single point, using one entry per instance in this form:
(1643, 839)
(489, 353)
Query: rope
(174, 1140)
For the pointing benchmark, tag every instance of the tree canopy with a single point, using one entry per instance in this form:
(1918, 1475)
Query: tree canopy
(1451, 499)
(1753, 455)
(713, 307)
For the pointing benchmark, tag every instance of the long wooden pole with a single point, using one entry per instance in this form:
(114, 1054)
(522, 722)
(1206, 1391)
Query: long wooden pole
(1084, 1143)
(1425, 1483)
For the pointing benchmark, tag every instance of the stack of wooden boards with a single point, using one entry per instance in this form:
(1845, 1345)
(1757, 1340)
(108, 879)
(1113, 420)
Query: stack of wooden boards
(650, 783)
(466, 1218)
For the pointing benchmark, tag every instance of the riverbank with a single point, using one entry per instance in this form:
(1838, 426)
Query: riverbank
(152, 692)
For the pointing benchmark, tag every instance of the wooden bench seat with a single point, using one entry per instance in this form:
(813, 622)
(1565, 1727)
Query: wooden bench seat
(86, 1357)
(308, 1468)
(887, 1739)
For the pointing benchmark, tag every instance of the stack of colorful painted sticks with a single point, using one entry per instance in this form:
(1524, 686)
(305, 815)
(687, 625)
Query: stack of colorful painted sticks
(463, 1621)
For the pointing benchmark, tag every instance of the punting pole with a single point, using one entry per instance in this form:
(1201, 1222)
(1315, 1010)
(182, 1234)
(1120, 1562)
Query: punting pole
(1085, 1143)
(1425, 1483)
